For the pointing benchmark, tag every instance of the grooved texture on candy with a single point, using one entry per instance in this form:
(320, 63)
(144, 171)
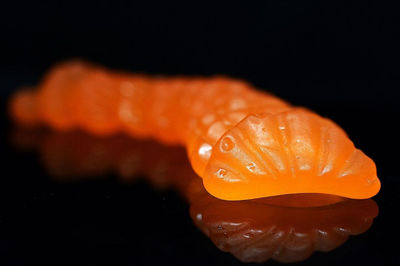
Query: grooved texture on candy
(244, 143)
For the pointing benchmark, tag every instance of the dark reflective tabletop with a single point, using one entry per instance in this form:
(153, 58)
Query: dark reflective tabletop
(72, 198)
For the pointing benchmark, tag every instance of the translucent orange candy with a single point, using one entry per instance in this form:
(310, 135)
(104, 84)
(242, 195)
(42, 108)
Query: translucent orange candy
(244, 144)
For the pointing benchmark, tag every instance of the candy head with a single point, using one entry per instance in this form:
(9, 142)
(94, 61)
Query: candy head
(291, 152)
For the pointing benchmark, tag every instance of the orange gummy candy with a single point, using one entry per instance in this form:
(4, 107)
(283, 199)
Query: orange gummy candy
(243, 143)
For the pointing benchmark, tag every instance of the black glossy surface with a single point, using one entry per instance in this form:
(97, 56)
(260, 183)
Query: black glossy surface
(339, 59)
(51, 211)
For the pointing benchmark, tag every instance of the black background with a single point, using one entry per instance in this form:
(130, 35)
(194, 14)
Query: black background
(339, 58)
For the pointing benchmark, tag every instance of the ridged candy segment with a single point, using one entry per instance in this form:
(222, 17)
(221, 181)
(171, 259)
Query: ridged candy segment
(23, 107)
(55, 102)
(96, 99)
(213, 124)
(291, 152)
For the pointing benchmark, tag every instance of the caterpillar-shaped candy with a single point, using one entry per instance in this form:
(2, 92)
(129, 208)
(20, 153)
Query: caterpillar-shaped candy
(243, 143)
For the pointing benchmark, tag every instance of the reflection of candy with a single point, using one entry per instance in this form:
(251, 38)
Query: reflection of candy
(285, 228)
(75, 155)
(243, 143)
(255, 230)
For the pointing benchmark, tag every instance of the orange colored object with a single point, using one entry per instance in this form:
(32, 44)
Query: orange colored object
(23, 107)
(244, 144)
(286, 228)
(256, 230)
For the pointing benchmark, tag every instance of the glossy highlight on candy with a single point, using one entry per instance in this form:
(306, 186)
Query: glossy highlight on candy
(243, 143)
